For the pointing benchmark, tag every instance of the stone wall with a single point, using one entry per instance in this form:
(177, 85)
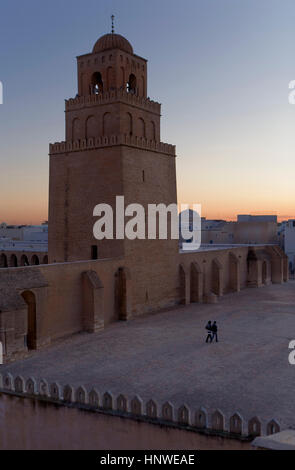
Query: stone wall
(65, 298)
(207, 275)
(39, 304)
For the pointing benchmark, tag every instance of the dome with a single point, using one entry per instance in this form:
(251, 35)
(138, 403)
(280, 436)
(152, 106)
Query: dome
(112, 41)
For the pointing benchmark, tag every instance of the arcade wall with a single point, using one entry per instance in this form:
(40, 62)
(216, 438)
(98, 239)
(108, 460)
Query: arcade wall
(40, 304)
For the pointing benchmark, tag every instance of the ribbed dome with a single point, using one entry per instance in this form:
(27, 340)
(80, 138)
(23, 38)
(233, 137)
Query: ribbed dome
(112, 41)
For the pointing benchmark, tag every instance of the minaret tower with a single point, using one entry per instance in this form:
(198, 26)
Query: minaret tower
(112, 148)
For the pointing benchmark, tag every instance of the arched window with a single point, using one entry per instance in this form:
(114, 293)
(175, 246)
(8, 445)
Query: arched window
(90, 128)
(35, 260)
(106, 124)
(131, 85)
(141, 130)
(3, 261)
(45, 259)
(96, 84)
(30, 299)
(13, 261)
(130, 124)
(76, 129)
(24, 261)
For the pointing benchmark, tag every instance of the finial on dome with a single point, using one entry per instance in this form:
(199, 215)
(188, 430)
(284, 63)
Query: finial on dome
(113, 27)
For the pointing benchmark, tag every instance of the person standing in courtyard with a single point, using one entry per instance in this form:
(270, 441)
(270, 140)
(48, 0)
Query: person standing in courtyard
(214, 329)
(209, 331)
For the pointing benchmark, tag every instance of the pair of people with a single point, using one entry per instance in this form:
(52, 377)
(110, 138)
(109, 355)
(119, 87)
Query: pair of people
(211, 331)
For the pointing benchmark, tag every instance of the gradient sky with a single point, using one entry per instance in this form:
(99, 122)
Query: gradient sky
(220, 68)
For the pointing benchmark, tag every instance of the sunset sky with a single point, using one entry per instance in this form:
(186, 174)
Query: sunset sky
(220, 68)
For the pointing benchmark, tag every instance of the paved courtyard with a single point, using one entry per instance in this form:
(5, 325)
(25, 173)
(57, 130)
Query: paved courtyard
(164, 356)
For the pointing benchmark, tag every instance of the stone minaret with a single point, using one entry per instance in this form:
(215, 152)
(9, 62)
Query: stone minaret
(112, 148)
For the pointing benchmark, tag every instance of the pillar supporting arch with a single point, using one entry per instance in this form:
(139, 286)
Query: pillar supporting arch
(123, 293)
(3, 261)
(184, 285)
(196, 283)
(13, 261)
(93, 302)
(31, 337)
(217, 277)
(234, 273)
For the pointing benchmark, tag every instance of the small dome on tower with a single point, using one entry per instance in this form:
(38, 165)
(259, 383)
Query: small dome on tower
(112, 41)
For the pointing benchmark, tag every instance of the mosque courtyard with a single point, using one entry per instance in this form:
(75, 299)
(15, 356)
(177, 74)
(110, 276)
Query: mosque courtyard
(164, 356)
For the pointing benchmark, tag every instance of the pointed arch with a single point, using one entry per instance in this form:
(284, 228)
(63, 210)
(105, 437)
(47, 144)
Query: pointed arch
(217, 277)
(141, 128)
(196, 283)
(234, 273)
(106, 124)
(24, 261)
(96, 87)
(76, 129)
(90, 127)
(123, 293)
(131, 85)
(3, 261)
(35, 260)
(13, 261)
(93, 302)
(129, 124)
(184, 285)
(30, 299)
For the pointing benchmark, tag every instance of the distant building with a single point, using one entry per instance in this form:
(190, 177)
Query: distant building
(287, 241)
(37, 233)
(247, 230)
(189, 220)
(23, 245)
(257, 218)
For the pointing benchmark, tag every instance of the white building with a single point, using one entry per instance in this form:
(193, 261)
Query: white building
(257, 218)
(37, 233)
(23, 237)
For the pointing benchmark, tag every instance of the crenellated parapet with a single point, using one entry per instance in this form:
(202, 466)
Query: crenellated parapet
(209, 421)
(105, 141)
(113, 97)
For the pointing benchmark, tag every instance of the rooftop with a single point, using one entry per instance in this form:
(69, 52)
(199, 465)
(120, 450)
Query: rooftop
(21, 245)
(220, 246)
(164, 356)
